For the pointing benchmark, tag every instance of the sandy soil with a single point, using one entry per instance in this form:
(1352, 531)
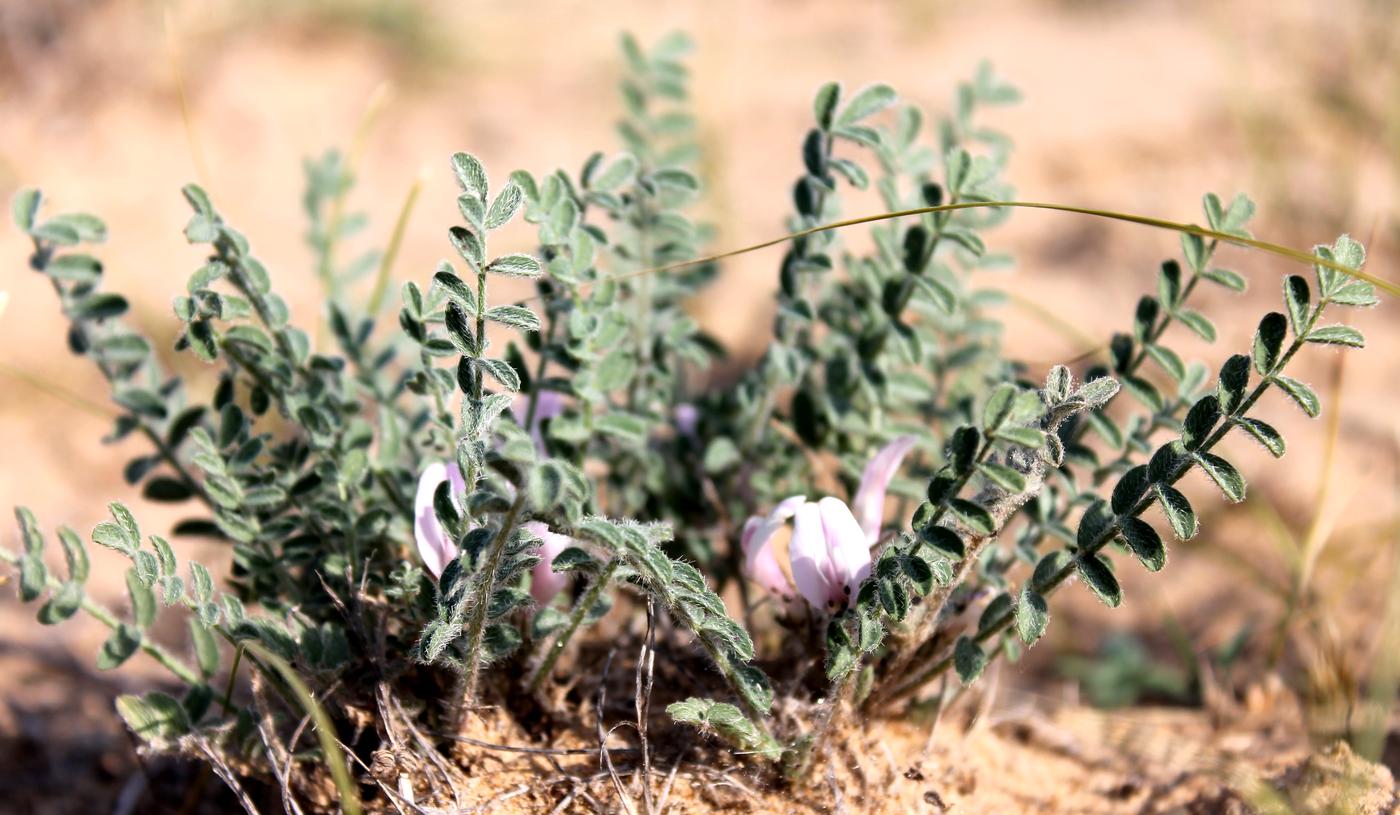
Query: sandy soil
(1138, 107)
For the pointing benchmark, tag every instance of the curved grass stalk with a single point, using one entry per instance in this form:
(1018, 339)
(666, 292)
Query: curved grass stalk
(391, 250)
(325, 730)
(1280, 250)
(378, 98)
(59, 392)
(172, 42)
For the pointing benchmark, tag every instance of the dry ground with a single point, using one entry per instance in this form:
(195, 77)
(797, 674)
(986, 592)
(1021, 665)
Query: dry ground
(1138, 107)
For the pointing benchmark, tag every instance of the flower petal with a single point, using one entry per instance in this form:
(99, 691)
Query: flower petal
(760, 558)
(545, 583)
(809, 558)
(548, 404)
(869, 502)
(848, 550)
(434, 548)
(687, 418)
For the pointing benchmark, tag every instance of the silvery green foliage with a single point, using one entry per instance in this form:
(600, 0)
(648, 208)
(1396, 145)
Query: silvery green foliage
(591, 408)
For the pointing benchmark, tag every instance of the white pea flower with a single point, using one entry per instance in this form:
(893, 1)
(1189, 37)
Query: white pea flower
(828, 554)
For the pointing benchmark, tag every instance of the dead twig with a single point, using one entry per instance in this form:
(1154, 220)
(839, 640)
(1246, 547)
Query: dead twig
(538, 751)
(606, 759)
(434, 757)
(224, 772)
(642, 701)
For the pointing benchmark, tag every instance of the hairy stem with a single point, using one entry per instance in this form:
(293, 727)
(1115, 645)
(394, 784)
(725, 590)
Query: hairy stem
(576, 617)
(476, 622)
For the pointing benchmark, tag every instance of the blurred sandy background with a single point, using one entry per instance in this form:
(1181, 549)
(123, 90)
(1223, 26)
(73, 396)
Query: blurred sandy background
(1138, 106)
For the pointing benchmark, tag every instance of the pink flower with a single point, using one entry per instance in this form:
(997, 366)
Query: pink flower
(869, 503)
(760, 558)
(548, 404)
(545, 583)
(687, 417)
(829, 552)
(435, 546)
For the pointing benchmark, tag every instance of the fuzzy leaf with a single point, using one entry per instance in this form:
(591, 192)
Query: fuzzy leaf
(943, 540)
(1299, 393)
(1198, 324)
(119, 647)
(1130, 488)
(721, 718)
(1224, 474)
(824, 105)
(471, 176)
(206, 648)
(1169, 360)
(515, 317)
(456, 288)
(155, 718)
(969, 660)
(1024, 436)
(143, 600)
(1265, 434)
(501, 371)
(505, 206)
(1032, 616)
(1099, 578)
(1178, 511)
(1296, 296)
(998, 406)
(1234, 379)
(1227, 278)
(1268, 342)
(1200, 421)
(62, 604)
(1048, 567)
(867, 102)
(515, 265)
(1003, 476)
(974, 515)
(1144, 542)
(1337, 335)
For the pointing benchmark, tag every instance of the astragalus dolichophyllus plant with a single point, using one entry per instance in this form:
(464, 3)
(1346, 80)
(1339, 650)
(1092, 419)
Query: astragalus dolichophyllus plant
(448, 526)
